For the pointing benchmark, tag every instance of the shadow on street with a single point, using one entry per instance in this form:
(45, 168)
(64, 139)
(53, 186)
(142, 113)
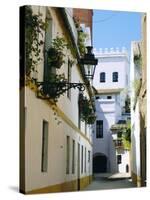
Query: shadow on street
(110, 181)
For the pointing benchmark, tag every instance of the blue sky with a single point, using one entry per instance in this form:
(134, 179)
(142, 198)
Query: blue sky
(115, 28)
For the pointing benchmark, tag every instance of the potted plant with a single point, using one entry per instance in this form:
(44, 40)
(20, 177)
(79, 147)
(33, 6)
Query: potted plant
(54, 87)
(55, 54)
(55, 58)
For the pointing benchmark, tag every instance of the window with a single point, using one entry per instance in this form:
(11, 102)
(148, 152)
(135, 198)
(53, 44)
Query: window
(115, 77)
(85, 161)
(89, 154)
(79, 110)
(119, 135)
(44, 146)
(68, 155)
(97, 97)
(82, 159)
(99, 129)
(85, 128)
(69, 78)
(48, 40)
(109, 97)
(118, 159)
(102, 77)
(73, 156)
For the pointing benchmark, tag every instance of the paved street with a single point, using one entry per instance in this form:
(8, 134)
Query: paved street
(110, 181)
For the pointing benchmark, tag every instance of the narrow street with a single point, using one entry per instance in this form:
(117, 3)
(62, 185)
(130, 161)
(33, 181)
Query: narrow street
(110, 181)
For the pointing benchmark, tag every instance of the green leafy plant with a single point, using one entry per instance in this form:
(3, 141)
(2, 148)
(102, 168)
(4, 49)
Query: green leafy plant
(81, 42)
(34, 26)
(138, 60)
(55, 86)
(81, 38)
(55, 53)
(127, 136)
(127, 104)
(86, 110)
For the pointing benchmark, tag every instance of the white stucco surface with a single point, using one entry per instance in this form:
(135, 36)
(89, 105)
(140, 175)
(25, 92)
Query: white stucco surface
(110, 110)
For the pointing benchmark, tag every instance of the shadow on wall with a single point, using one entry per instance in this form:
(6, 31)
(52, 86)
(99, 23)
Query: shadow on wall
(133, 155)
(112, 152)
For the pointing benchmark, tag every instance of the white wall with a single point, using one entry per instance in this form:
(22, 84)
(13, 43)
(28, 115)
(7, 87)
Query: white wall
(135, 138)
(109, 64)
(106, 112)
(110, 110)
(135, 118)
(125, 160)
(36, 111)
(59, 125)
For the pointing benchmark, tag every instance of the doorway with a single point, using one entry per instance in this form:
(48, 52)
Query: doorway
(100, 164)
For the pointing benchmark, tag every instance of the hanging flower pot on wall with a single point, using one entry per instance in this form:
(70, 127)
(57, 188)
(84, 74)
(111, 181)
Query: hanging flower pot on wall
(55, 54)
(54, 58)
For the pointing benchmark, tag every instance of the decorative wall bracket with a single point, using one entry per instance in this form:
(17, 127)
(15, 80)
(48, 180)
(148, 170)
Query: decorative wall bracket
(52, 90)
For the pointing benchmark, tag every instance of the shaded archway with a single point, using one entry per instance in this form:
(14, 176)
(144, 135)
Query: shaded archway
(99, 163)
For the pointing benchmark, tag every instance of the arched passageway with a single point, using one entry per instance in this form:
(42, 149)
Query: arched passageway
(99, 163)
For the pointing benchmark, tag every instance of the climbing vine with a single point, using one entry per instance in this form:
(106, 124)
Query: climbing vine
(34, 27)
(81, 38)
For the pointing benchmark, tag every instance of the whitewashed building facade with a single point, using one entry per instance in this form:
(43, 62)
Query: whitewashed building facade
(55, 145)
(135, 77)
(111, 81)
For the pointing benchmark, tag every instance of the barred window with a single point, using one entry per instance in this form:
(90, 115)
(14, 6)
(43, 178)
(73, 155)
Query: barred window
(102, 77)
(99, 129)
(44, 163)
(67, 155)
(115, 76)
(119, 159)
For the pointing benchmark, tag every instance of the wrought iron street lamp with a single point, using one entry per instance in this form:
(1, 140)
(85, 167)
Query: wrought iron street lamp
(89, 61)
(53, 89)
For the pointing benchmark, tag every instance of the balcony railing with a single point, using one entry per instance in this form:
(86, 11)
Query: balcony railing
(118, 143)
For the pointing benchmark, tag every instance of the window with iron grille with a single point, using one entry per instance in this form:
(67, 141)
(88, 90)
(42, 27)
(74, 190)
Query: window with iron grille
(89, 154)
(109, 97)
(99, 129)
(82, 159)
(85, 161)
(48, 41)
(115, 76)
(73, 156)
(68, 155)
(44, 163)
(119, 135)
(102, 77)
(119, 158)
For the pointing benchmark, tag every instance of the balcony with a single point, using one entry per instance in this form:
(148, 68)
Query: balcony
(118, 143)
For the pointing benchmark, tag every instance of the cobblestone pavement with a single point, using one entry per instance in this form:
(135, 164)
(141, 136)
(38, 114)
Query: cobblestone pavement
(110, 181)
